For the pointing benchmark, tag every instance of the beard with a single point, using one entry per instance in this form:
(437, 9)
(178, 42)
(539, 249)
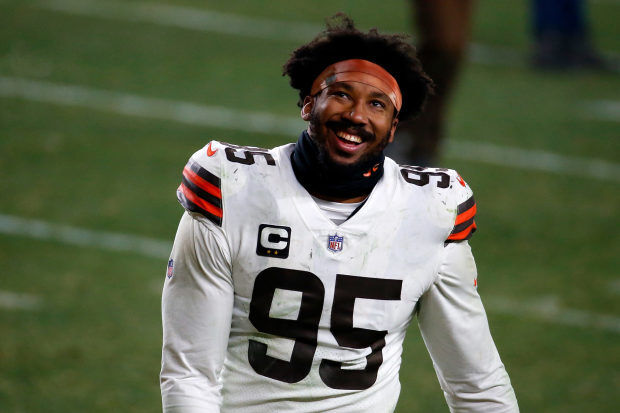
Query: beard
(366, 162)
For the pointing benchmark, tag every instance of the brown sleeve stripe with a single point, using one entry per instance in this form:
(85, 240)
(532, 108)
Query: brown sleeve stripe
(207, 196)
(471, 202)
(463, 235)
(466, 215)
(206, 185)
(464, 224)
(193, 203)
(204, 174)
(200, 192)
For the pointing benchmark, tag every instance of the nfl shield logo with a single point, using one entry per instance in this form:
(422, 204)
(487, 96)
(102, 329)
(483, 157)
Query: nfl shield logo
(334, 243)
(170, 271)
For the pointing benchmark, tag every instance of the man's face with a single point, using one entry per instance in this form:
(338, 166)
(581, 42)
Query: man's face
(350, 121)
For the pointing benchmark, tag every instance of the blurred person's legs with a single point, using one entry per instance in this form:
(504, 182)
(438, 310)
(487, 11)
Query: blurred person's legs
(443, 28)
(561, 35)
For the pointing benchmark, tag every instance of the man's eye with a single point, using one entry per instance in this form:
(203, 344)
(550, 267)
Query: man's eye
(378, 104)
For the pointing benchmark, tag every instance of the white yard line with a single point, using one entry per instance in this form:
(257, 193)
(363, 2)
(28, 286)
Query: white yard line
(232, 24)
(19, 301)
(187, 18)
(134, 105)
(534, 160)
(544, 309)
(204, 20)
(496, 55)
(248, 121)
(549, 309)
(602, 110)
(614, 286)
(65, 234)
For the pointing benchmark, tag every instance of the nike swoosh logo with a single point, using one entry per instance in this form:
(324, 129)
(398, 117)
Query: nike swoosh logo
(210, 152)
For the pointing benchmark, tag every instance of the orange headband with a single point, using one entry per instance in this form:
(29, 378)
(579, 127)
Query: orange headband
(363, 71)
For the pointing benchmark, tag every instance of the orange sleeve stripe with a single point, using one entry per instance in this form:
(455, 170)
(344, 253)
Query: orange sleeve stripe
(463, 234)
(201, 183)
(200, 202)
(464, 216)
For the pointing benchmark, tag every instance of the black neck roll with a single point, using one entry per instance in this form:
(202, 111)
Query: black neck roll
(320, 176)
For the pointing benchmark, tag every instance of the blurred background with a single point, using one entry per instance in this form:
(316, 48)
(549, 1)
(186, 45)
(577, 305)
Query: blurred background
(102, 102)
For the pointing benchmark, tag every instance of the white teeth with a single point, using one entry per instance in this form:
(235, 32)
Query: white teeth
(347, 137)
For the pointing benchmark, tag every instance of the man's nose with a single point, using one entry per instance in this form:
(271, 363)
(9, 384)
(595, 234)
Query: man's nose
(356, 113)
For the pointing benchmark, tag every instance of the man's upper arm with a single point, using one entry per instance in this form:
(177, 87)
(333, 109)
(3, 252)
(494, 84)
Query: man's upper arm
(456, 332)
(197, 305)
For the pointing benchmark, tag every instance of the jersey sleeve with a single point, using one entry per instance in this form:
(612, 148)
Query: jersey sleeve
(456, 333)
(462, 198)
(200, 190)
(197, 304)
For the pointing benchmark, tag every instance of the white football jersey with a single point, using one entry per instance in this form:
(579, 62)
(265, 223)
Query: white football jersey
(268, 306)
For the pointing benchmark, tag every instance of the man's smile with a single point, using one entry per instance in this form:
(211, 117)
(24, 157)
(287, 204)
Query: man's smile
(349, 134)
(348, 137)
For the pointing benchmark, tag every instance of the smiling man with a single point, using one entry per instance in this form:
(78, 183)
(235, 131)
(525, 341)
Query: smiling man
(295, 271)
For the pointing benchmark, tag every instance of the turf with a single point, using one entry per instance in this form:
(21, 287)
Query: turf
(94, 342)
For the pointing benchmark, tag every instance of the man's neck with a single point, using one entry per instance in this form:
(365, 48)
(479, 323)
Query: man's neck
(344, 185)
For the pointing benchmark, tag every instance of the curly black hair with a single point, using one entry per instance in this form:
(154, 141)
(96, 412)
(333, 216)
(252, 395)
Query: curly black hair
(342, 41)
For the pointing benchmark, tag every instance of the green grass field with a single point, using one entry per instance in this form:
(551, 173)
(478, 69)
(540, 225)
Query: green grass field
(80, 323)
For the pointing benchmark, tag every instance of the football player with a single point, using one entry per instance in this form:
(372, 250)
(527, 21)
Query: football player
(296, 270)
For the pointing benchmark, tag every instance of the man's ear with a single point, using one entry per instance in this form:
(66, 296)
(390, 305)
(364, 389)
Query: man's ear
(393, 129)
(306, 109)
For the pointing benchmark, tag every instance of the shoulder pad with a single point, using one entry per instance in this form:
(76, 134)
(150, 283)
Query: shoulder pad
(463, 199)
(422, 176)
(247, 155)
(447, 186)
(200, 190)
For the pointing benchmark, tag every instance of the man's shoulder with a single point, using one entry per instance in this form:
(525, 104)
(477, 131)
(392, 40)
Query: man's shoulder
(443, 193)
(216, 155)
(442, 184)
(220, 165)
(200, 191)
